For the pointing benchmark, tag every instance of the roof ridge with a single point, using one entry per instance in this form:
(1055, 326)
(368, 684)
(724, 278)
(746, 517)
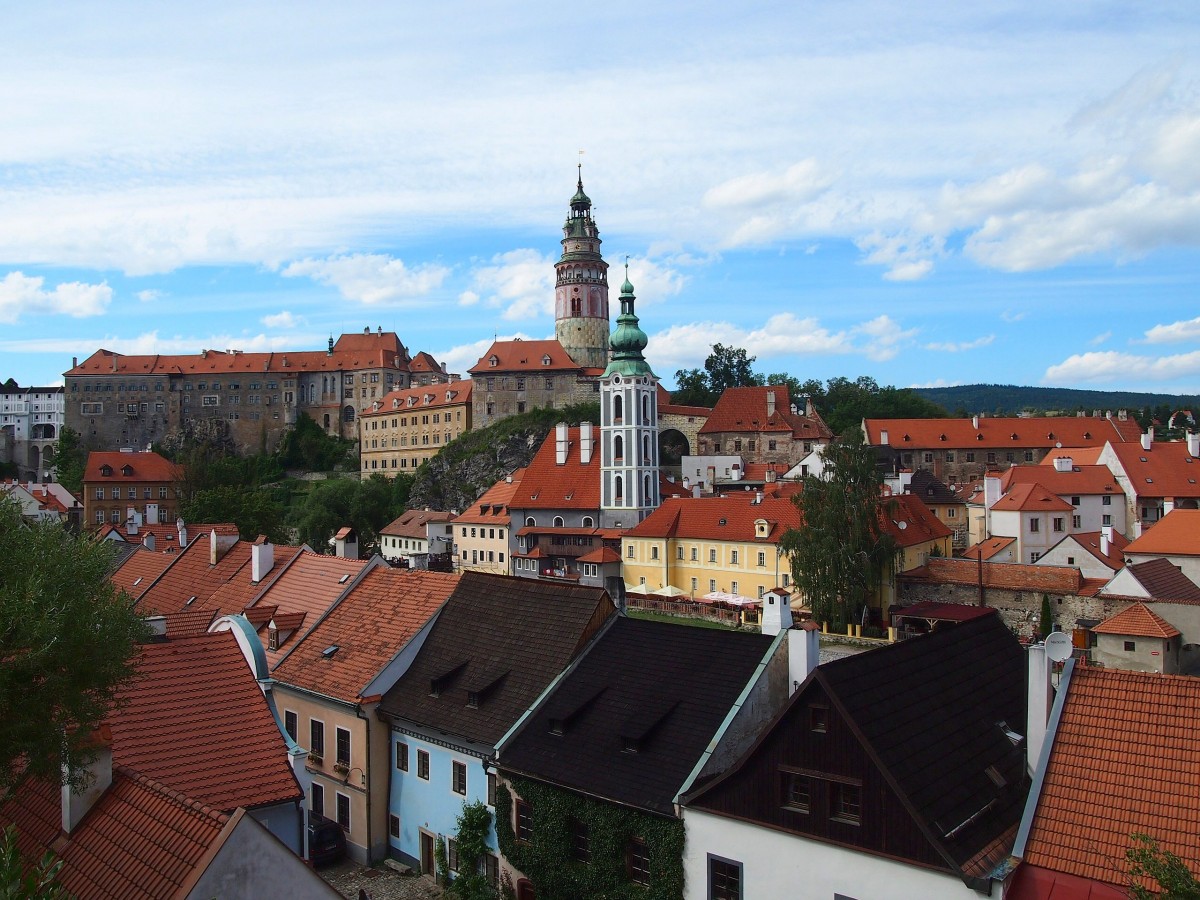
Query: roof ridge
(171, 794)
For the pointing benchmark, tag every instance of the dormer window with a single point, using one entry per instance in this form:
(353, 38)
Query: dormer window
(546, 360)
(106, 470)
(493, 361)
(761, 528)
(272, 637)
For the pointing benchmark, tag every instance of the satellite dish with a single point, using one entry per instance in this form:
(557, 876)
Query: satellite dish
(1058, 646)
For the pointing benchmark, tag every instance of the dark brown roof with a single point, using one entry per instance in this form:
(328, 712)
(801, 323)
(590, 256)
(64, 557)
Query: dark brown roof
(931, 490)
(667, 688)
(501, 638)
(1163, 580)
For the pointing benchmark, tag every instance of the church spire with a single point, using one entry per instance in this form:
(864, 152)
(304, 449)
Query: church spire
(628, 340)
(581, 286)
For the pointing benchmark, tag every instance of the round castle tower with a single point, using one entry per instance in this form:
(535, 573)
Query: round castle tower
(581, 287)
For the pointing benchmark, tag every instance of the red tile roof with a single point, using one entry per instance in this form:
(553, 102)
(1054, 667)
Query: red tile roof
(411, 523)
(189, 623)
(1124, 760)
(1080, 456)
(194, 718)
(744, 409)
(492, 507)
(1008, 576)
(139, 570)
(730, 517)
(191, 576)
(1090, 541)
(143, 467)
(1138, 620)
(423, 362)
(166, 536)
(1081, 480)
(1175, 534)
(430, 396)
(1031, 497)
(309, 585)
(369, 626)
(352, 351)
(525, 356)
(600, 556)
(1165, 470)
(573, 485)
(910, 522)
(988, 548)
(140, 839)
(1002, 433)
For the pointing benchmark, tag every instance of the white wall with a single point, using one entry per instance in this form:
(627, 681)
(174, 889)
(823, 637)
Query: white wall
(776, 864)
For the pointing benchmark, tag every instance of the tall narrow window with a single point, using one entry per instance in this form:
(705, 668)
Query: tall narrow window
(524, 822)
(458, 777)
(316, 733)
(637, 862)
(724, 879)
(343, 747)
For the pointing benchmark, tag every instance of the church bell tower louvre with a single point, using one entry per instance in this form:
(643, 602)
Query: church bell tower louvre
(629, 487)
(581, 287)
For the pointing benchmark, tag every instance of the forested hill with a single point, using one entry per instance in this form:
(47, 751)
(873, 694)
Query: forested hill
(1011, 399)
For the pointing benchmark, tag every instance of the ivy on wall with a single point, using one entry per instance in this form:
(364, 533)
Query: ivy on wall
(549, 859)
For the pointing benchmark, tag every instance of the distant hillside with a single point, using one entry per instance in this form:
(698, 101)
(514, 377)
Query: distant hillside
(1011, 400)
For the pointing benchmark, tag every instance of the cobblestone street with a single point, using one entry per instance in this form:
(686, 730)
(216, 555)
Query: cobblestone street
(380, 883)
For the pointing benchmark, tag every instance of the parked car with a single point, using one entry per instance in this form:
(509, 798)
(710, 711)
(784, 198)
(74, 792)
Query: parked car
(326, 840)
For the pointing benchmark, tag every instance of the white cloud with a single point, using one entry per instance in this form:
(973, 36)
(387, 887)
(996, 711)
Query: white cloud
(652, 282)
(282, 320)
(911, 271)
(1100, 338)
(21, 294)
(520, 282)
(150, 295)
(460, 358)
(468, 298)
(962, 346)
(783, 335)
(798, 183)
(1115, 366)
(1011, 317)
(371, 278)
(1177, 331)
(150, 342)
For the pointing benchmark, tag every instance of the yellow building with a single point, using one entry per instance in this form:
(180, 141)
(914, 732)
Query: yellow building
(406, 428)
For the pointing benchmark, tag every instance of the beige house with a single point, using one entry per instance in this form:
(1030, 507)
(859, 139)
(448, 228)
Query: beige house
(1138, 639)
(405, 428)
(328, 686)
(481, 533)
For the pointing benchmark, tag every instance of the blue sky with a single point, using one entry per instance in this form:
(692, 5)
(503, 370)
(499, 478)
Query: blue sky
(932, 193)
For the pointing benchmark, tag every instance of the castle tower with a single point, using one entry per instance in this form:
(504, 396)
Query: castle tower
(581, 287)
(628, 424)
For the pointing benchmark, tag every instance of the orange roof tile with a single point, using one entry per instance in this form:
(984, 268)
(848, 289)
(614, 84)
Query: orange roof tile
(423, 362)
(309, 585)
(492, 507)
(910, 522)
(369, 626)
(744, 409)
(140, 839)
(190, 577)
(142, 467)
(1081, 480)
(1080, 456)
(166, 536)
(430, 396)
(1124, 760)
(189, 623)
(139, 570)
(1008, 576)
(1165, 470)
(1090, 541)
(1031, 497)
(194, 718)
(524, 356)
(1175, 534)
(600, 556)
(573, 485)
(1002, 433)
(1138, 620)
(728, 517)
(411, 523)
(988, 548)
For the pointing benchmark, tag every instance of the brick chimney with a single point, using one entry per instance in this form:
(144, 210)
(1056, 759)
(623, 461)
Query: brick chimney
(77, 801)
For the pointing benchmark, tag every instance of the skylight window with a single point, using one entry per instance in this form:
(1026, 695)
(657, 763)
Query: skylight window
(344, 578)
(137, 581)
(328, 652)
(190, 600)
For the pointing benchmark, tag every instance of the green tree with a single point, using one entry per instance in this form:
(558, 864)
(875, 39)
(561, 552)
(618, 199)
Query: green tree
(68, 640)
(367, 506)
(1046, 619)
(471, 883)
(1174, 878)
(306, 446)
(253, 511)
(725, 367)
(840, 554)
(691, 389)
(21, 882)
(71, 461)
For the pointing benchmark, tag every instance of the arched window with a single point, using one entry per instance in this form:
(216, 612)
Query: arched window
(326, 421)
(529, 520)
(588, 522)
(348, 414)
(647, 495)
(645, 409)
(617, 409)
(558, 522)
(618, 448)
(646, 450)
(618, 493)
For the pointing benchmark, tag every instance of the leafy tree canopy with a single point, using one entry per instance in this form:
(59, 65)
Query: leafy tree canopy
(19, 881)
(839, 554)
(1147, 860)
(67, 639)
(71, 460)
(367, 506)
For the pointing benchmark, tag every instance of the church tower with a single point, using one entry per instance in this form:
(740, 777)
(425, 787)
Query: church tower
(581, 287)
(628, 424)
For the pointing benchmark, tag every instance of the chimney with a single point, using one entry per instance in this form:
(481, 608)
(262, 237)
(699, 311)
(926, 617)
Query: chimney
(991, 490)
(758, 495)
(262, 560)
(367, 330)
(772, 475)
(615, 585)
(808, 407)
(560, 444)
(975, 422)
(1105, 539)
(1193, 444)
(183, 535)
(1040, 698)
(77, 801)
(218, 545)
(770, 404)
(148, 540)
(151, 513)
(804, 653)
(776, 611)
(345, 543)
(696, 491)
(1148, 438)
(131, 523)
(1063, 463)
(585, 442)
